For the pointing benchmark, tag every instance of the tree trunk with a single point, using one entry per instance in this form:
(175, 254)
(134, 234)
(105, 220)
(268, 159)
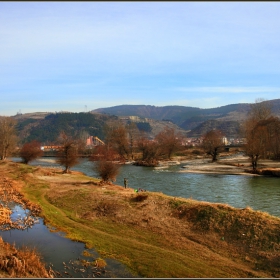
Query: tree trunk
(67, 169)
(214, 156)
(254, 163)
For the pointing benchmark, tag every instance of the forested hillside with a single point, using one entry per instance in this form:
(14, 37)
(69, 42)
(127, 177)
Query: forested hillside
(187, 118)
(228, 128)
(48, 129)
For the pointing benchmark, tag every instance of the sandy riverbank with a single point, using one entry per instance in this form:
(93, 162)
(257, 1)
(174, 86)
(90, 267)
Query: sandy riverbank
(230, 165)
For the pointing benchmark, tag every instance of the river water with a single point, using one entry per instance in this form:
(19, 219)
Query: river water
(259, 193)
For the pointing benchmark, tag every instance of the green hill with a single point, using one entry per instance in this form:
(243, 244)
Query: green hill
(45, 127)
(46, 130)
(187, 118)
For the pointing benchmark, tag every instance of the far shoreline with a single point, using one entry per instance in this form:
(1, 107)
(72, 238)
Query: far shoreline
(227, 165)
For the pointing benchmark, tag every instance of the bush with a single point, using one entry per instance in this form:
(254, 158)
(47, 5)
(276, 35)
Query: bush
(197, 152)
(140, 197)
(31, 151)
(107, 170)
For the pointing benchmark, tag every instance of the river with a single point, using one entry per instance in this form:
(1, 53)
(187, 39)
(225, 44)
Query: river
(258, 192)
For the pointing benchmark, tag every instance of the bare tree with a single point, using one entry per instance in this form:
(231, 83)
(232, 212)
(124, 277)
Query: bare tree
(104, 152)
(67, 154)
(212, 143)
(254, 142)
(30, 151)
(255, 131)
(273, 137)
(8, 138)
(104, 164)
(133, 135)
(169, 142)
(263, 140)
(150, 151)
(117, 138)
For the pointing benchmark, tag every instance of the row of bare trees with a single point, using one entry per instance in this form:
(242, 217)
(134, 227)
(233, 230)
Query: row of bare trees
(125, 142)
(122, 142)
(260, 129)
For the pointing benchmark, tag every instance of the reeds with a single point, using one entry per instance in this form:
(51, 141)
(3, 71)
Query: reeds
(22, 263)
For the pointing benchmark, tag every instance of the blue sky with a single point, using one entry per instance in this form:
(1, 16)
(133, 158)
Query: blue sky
(77, 56)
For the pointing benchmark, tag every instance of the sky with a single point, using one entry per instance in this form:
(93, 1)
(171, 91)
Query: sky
(80, 56)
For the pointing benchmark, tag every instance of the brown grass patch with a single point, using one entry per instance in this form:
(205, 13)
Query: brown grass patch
(140, 197)
(99, 262)
(22, 263)
(105, 208)
(5, 215)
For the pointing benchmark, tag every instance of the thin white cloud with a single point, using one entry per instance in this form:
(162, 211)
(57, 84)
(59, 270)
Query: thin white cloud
(228, 90)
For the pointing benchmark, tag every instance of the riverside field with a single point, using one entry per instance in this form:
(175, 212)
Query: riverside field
(153, 234)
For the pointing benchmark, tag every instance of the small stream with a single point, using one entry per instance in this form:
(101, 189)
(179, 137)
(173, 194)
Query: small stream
(63, 255)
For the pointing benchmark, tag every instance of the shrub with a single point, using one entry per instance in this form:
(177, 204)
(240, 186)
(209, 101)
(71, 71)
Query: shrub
(107, 170)
(31, 151)
(140, 197)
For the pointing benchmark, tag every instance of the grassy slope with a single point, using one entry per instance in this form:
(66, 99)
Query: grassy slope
(153, 234)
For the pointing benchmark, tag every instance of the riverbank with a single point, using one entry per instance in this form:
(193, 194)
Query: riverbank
(153, 234)
(228, 164)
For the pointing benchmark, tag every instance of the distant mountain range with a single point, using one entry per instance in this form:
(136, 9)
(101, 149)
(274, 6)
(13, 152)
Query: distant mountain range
(191, 121)
(195, 120)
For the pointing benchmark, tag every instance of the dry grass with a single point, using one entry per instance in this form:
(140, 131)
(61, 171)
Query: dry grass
(99, 262)
(214, 231)
(5, 215)
(21, 263)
